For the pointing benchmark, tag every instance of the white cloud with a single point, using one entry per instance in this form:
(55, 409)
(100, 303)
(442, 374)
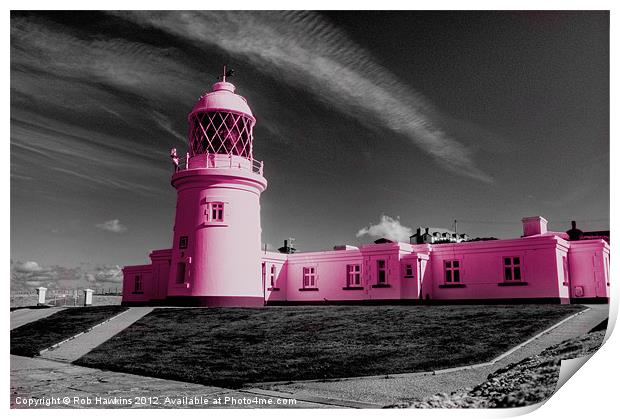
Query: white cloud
(108, 274)
(388, 228)
(113, 226)
(27, 267)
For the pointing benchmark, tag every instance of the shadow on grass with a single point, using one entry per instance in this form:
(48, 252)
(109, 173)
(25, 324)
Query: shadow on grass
(232, 347)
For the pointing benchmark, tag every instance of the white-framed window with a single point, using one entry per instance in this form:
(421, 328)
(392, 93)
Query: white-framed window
(217, 211)
(512, 268)
(309, 277)
(452, 271)
(381, 272)
(409, 270)
(354, 276)
(137, 283)
(272, 276)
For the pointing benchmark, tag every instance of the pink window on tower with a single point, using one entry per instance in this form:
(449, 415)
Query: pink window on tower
(183, 242)
(452, 271)
(409, 271)
(512, 268)
(354, 276)
(217, 211)
(137, 284)
(309, 277)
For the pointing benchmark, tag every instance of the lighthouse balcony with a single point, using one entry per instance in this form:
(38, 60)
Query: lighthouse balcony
(220, 161)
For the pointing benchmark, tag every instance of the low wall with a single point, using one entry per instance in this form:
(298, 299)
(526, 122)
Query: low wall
(28, 300)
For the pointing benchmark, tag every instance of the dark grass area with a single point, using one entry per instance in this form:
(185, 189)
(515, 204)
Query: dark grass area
(231, 347)
(31, 338)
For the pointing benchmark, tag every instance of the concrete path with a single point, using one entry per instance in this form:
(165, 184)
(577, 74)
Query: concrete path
(74, 349)
(24, 316)
(53, 384)
(405, 387)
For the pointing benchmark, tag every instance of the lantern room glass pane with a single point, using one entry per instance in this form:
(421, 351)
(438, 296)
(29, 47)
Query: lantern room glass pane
(221, 133)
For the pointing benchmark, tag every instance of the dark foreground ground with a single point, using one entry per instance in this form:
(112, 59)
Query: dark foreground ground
(30, 339)
(529, 381)
(233, 347)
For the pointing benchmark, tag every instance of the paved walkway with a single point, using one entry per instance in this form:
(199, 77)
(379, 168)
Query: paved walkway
(75, 348)
(45, 381)
(24, 316)
(405, 387)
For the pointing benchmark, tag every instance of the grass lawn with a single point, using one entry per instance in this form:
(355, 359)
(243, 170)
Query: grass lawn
(31, 338)
(230, 347)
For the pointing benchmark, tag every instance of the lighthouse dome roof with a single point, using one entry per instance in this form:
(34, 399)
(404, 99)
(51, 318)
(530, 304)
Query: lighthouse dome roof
(222, 98)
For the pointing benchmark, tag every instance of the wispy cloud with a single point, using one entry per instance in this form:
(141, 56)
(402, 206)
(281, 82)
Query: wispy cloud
(78, 110)
(113, 226)
(311, 53)
(388, 228)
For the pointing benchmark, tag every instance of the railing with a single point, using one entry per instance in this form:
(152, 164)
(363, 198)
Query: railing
(219, 161)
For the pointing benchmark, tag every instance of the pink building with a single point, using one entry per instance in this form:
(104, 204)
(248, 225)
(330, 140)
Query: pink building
(216, 258)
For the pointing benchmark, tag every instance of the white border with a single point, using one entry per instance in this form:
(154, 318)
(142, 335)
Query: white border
(590, 393)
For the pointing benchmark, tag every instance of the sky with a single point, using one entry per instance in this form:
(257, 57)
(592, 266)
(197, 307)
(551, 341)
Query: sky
(370, 124)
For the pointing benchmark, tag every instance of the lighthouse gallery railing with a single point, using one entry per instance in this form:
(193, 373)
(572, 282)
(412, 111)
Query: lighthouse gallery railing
(185, 164)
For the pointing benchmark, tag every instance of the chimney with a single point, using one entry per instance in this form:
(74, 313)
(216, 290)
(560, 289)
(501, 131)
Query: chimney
(533, 226)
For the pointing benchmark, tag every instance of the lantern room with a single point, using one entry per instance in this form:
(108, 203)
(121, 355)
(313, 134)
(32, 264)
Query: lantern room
(221, 122)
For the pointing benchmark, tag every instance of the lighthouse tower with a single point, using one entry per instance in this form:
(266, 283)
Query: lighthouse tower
(217, 234)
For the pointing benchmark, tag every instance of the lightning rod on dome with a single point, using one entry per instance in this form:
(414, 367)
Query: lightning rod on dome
(226, 73)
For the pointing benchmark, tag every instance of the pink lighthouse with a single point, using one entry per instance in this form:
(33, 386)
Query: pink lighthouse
(215, 258)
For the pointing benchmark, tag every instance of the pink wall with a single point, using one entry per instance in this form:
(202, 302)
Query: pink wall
(276, 263)
(482, 269)
(161, 262)
(333, 282)
(542, 262)
(589, 269)
(141, 293)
